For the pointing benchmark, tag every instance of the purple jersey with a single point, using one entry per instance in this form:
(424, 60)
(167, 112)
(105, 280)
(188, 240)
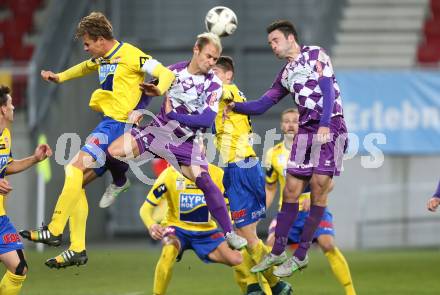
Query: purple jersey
(191, 94)
(300, 77)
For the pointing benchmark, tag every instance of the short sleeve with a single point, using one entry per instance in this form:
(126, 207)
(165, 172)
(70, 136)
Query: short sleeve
(159, 189)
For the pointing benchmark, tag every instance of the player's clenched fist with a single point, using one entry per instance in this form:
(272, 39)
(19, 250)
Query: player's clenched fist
(42, 151)
(433, 203)
(50, 76)
(5, 188)
(156, 231)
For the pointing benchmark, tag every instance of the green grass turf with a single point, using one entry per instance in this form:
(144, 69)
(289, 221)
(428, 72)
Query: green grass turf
(130, 272)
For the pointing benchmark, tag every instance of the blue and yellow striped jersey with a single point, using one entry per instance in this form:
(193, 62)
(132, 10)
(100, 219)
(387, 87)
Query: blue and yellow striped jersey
(5, 159)
(276, 163)
(233, 135)
(187, 208)
(121, 71)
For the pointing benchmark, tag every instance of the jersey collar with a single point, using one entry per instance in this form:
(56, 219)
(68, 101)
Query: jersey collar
(112, 51)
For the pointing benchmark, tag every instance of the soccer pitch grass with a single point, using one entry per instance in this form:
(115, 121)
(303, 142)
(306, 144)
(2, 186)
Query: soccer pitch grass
(130, 272)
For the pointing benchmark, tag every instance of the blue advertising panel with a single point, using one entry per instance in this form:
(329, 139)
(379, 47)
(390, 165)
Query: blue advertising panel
(400, 110)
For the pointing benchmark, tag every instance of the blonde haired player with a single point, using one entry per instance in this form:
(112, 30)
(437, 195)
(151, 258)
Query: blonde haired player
(276, 162)
(11, 247)
(121, 68)
(190, 107)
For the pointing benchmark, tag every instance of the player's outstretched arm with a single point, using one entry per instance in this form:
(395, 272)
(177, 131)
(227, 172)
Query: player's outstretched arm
(79, 70)
(42, 152)
(165, 78)
(50, 76)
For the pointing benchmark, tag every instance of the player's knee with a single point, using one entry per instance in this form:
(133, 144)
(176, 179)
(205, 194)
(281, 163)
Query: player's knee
(326, 245)
(171, 240)
(290, 194)
(114, 150)
(236, 259)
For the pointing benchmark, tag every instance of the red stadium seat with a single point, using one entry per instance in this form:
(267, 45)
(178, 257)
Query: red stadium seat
(435, 9)
(22, 53)
(428, 54)
(19, 86)
(432, 27)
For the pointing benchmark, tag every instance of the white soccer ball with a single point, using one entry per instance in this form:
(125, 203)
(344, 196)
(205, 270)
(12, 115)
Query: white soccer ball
(221, 21)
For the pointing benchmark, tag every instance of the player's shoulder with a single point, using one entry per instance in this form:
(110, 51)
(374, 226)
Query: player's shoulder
(278, 147)
(314, 51)
(5, 133)
(179, 66)
(270, 151)
(132, 48)
(169, 174)
(211, 76)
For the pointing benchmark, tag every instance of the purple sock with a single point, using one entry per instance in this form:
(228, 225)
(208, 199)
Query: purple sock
(215, 201)
(312, 222)
(117, 169)
(285, 219)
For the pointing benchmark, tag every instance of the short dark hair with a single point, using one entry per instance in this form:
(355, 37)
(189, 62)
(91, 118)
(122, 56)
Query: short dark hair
(226, 63)
(4, 91)
(95, 25)
(285, 26)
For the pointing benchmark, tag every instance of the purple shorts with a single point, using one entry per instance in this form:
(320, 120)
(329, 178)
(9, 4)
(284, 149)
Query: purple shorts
(309, 157)
(160, 141)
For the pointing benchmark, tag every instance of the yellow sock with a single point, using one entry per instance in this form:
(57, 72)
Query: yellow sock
(341, 270)
(68, 199)
(77, 224)
(257, 254)
(164, 269)
(11, 283)
(242, 272)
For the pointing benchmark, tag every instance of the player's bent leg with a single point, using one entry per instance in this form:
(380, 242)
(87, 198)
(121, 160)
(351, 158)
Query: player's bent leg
(337, 263)
(257, 251)
(320, 186)
(165, 264)
(120, 182)
(225, 255)
(73, 183)
(215, 202)
(16, 269)
(249, 232)
(124, 147)
(247, 281)
(285, 219)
